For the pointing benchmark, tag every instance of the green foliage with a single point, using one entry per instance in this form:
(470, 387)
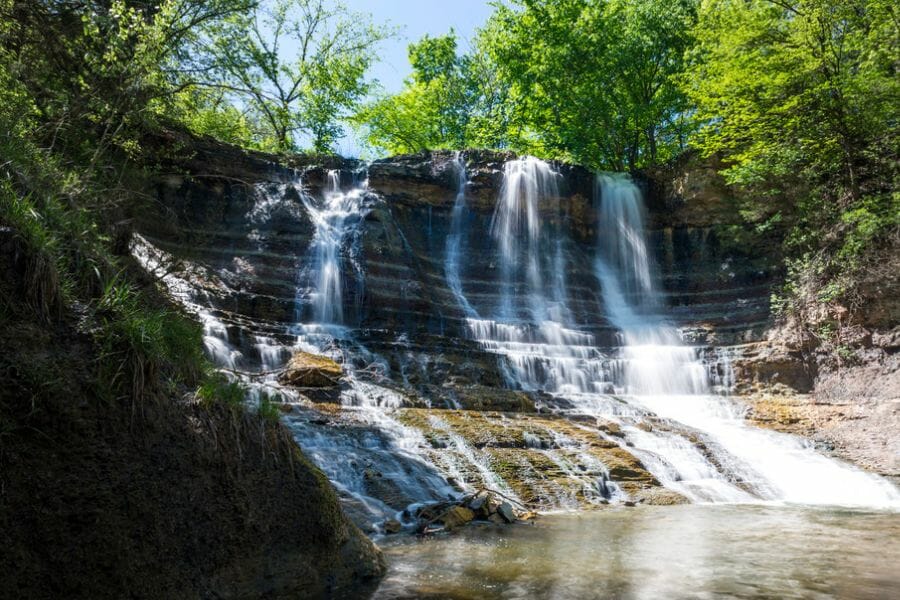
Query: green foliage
(801, 88)
(869, 219)
(218, 388)
(140, 344)
(268, 409)
(205, 112)
(42, 285)
(799, 99)
(437, 108)
(331, 49)
(592, 82)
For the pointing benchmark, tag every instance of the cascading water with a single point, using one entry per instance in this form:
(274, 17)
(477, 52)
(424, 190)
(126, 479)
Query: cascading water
(651, 386)
(453, 244)
(335, 220)
(664, 376)
(534, 335)
(527, 184)
(653, 361)
(652, 372)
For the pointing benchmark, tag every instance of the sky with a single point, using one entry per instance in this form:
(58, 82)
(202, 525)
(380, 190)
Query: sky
(415, 18)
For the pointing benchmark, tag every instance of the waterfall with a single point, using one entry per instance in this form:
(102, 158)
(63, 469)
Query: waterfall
(453, 244)
(516, 226)
(666, 377)
(652, 388)
(543, 350)
(653, 359)
(335, 218)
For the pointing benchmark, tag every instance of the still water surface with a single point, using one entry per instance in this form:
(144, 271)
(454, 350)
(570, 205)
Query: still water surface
(693, 551)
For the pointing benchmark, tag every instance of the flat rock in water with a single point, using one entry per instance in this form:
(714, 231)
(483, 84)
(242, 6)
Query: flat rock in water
(311, 371)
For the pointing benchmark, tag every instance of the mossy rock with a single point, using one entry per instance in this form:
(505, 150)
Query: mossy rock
(307, 370)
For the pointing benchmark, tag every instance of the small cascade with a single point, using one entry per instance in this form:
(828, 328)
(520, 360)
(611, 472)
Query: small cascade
(653, 359)
(530, 327)
(336, 218)
(530, 186)
(453, 246)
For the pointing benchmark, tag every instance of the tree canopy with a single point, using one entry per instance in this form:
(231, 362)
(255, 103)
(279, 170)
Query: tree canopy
(798, 98)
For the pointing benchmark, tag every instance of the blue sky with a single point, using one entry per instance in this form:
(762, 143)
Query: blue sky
(415, 18)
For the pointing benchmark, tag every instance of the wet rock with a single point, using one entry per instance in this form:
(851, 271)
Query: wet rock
(506, 512)
(612, 429)
(480, 506)
(659, 497)
(500, 399)
(456, 517)
(497, 519)
(307, 370)
(483, 505)
(385, 489)
(392, 526)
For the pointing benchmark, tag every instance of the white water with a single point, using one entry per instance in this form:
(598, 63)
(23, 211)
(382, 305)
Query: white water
(652, 372)
(335, 219)
(664, 376)
(453, 244)
(530, 325)
(530, 186)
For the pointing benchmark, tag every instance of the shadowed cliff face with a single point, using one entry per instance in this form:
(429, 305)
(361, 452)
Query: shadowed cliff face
(104, 497)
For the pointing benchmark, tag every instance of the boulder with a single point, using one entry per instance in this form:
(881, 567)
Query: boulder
(385, 489)
(483, 505)
(307, 370)
(457, 516)
(506, 512)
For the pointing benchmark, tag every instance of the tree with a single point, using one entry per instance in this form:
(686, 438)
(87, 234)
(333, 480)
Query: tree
(801, 87)
(595, 81)
(584, 80)
(330, 50)
(450, 101)
(800, 99)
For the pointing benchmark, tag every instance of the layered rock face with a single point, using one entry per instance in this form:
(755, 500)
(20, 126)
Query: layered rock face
(718, 289)
(254, 236)
(394, 270)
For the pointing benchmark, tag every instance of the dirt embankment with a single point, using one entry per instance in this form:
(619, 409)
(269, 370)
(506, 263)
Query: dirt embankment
(159, 499)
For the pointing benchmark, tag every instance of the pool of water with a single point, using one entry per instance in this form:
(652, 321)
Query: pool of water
(692, 551)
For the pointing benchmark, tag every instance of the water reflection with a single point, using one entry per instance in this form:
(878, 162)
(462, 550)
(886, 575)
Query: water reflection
(658, 552)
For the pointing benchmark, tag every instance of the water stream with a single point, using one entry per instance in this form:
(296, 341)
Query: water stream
(725, 551)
